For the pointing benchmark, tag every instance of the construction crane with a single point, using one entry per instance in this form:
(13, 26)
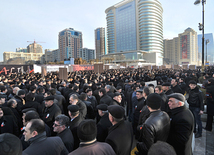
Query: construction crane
(35, 42)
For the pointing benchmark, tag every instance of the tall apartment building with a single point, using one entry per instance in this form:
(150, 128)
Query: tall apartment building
(100, 42)
(70, 41)
(56, 55)
(208, 47)
(135, 31)
(34, 48)
(48, 55)
(183, 49)
(24, 50)
(87, 54)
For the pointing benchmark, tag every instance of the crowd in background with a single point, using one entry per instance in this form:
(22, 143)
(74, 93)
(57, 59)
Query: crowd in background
(104, 113)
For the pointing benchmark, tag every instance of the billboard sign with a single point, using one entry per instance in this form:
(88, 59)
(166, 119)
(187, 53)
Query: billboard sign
(184, 47)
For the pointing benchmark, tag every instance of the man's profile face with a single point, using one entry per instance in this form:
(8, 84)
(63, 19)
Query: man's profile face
(172, 103)
(73, 101)
(57, 127)
(27, 133)
(1, 113)
(2, 100)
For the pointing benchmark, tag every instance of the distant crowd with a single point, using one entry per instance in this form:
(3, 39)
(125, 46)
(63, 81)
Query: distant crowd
(113, 112)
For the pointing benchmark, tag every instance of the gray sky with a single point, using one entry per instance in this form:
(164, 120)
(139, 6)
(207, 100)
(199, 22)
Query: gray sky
(42, 20)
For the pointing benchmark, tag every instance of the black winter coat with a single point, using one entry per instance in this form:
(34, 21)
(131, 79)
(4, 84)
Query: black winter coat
(169, 92)
(40, 144)
(210, 99)
(105, 99)
(73, 127)
(102, 128)
(120, 138)
(156, 128)
(196, 98)
(67, 138)
(181, 130)
(177, 89)
(8, 125)
(50, 115)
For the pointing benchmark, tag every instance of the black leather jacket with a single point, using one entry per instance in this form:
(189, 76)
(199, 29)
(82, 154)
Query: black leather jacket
(155, 128)
(196, 98)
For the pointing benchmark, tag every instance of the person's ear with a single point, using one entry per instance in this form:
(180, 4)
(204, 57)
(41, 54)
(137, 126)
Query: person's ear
(35, 133)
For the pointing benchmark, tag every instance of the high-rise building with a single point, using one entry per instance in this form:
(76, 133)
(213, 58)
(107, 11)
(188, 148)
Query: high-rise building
(87, 54)
(135, 31)
(208, 47)
(183, 49)
(100, 42)
(56, 55)
(24, 50)
(171, 51)
(48, 55)
(70, 41)
(34, 48)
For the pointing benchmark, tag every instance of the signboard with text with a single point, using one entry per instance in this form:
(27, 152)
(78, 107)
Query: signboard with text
(7, 69)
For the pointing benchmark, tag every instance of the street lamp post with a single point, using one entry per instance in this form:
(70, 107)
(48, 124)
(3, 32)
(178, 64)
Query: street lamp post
(201, 28)
(207, 42)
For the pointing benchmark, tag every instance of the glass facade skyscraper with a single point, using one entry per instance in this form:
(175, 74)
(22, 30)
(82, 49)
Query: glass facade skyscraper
(208, 48)
(136, 25)
(100, 44)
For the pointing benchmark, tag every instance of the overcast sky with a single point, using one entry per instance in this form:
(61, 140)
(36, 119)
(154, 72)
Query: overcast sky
(42, 20)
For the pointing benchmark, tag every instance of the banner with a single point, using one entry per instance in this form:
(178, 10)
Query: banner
(7, 69)
(184, 47)
(82, 67)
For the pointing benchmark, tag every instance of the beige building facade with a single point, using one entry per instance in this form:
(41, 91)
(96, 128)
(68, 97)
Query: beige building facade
(182, 50)
(24, 56)
(34, 48)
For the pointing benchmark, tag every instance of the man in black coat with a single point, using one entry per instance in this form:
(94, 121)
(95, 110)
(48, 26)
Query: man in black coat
(76, 119)
(108, 91)
(61, 128)
(210, 104)
(181, 125)
(196, 106)
(165, 100)
(88, 145)
(51, 111)
(104, 98)
(156, 127)
(74, 100)
(167, 88)
(8, 124)
(40, 144)
(104, 124)
(175, 87)
(120, 135)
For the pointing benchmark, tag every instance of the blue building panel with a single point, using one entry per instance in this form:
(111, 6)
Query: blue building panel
(209, 48)
(126, 27)
(98, 34)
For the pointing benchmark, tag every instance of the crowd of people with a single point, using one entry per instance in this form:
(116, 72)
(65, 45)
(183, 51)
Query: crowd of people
(104, 113)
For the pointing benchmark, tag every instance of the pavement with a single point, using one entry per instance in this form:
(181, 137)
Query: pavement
(205, 144)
